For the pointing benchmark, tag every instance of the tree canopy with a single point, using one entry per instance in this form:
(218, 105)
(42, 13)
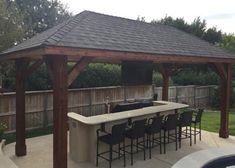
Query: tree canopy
(40, 15)
(197, 28)
(21, 19)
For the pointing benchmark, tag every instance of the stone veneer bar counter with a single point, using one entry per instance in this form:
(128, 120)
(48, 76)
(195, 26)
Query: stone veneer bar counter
(82, 129)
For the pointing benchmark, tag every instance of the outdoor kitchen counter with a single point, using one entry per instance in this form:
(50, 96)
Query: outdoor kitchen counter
(82, 130)
(158, 107)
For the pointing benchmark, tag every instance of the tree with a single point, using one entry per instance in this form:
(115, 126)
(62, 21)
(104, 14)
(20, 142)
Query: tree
(21, 19)
(178, 23)
(197, 28)
(212, 35)
(40, 15)
(11, 33)
(228, 42)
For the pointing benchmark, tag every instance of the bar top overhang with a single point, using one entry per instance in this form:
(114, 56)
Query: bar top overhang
(158, 107)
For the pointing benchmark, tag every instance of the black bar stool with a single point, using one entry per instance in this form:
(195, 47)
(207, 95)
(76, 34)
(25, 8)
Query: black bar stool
(197, 118)
(154, 127)
(185, 120)
(170, 124)
(136, 132)
(116, 137)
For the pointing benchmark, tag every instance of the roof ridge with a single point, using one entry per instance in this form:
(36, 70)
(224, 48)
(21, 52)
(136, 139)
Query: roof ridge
(62, 30)
(128, 19)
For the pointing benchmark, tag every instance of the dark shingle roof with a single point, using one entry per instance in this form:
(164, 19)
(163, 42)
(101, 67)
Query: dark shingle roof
(99, 31)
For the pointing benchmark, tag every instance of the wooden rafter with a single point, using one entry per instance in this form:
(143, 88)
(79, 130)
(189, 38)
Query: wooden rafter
(77, 69)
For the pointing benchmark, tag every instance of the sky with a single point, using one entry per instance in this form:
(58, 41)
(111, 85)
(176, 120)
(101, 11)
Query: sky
(218, 13)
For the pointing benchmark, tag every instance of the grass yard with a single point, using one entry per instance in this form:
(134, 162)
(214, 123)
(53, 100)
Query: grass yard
(30, 134)
(211, 122)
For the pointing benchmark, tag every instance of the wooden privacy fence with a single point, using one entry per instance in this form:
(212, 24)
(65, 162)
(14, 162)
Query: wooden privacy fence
(91, 101)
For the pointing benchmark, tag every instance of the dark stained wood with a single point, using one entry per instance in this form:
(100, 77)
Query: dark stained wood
(60, 104)
(165, 70)
(33, 53)
(74, 53)
(34, 66)
(21, 69)
(49, 69)
(221, 71)
(121, 55)
(226, 90)
(165, 87)
(77, 69)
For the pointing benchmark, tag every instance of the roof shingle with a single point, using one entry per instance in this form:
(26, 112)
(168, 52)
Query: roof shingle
(99, 31)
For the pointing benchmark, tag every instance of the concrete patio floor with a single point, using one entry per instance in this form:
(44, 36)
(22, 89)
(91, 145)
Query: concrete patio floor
(40, 153)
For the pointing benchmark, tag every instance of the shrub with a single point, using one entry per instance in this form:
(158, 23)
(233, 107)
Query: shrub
(157, 79)
(3, 127)
(216, 98)
(97, 75)
(195, 78)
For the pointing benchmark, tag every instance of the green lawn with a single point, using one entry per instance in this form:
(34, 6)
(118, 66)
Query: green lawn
(211, 122)
(29, 134)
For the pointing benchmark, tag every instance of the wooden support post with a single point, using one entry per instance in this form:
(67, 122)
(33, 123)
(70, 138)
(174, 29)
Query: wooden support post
(58, 66)
(21, 67)
(165, 71)
(224, 116)
(165, 86)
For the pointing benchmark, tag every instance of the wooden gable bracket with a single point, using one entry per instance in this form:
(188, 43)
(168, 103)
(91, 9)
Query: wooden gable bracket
(77, 69)
(220, 69)
(33, 67)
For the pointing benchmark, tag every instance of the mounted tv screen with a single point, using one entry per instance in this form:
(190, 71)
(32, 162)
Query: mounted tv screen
(137, 72)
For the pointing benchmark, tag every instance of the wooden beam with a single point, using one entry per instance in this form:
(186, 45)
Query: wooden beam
(77, 69)
(221, 71)
(60, 105)
(122, 55)
(226, 90)
(21, 69)
(33, 53)
(34, 66)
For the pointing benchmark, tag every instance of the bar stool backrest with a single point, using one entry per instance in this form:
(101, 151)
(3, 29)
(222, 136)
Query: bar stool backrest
(185, 118)
(138, 128)
(156, 124)
(170, 122)
(118, 133)
(199, 115)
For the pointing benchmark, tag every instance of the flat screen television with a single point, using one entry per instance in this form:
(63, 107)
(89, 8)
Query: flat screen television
(137, 72)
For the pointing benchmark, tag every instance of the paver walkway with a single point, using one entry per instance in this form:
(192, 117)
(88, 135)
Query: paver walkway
(40, 153)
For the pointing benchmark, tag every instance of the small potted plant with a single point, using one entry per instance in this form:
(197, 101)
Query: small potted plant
(3, 127)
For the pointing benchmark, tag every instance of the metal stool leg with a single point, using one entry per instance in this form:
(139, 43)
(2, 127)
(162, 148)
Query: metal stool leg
(110, 155)
(97, 152)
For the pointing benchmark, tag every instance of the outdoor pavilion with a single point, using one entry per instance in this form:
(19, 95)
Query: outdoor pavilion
(92, 37)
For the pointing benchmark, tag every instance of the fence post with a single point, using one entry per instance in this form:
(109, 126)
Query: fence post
(125, 96)
(153, 90)
(194, 92)
(176, 94)
(90, 102)
(45, 104)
